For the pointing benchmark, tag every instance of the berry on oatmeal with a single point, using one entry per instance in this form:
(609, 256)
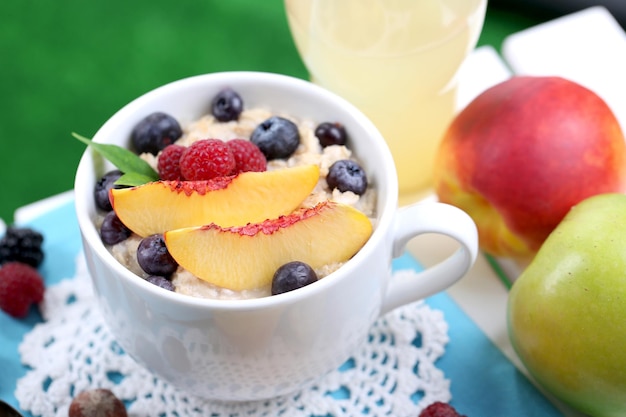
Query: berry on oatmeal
(248, 156)
(101, 190)
(168, 163)
(439, 409)
(112, 230)
(97, 402)
(347, 175)
(154, 132)
(226, 105)
(206, 159)
(331, 134)
(276, 137)
(154, 258)
(21, 244)
(161, 281)
(291, 276)
(20, 287)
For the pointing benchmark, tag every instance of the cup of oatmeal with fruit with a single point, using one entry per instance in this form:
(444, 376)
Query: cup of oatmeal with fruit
(239, 229)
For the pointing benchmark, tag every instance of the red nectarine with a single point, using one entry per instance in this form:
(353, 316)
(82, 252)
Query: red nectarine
(522, 153)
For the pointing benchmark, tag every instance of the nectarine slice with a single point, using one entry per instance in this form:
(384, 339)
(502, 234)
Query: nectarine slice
(246, 257)
(249, 197)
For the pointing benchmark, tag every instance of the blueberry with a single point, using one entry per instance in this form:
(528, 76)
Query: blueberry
(154, 258)
(112, 230)
(160, 281)
(276, 137)
(331, 134)
(291, 276)
(227, 105)
(155, 132)
(347, 175)
(101, 190)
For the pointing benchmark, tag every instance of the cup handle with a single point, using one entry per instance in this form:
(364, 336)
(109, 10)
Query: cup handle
(431, 217)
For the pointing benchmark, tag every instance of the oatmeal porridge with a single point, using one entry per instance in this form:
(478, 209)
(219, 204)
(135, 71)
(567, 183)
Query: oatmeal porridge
(308, 152)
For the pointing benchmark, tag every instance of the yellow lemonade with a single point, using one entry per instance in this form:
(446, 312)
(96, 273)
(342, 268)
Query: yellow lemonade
(396, 60)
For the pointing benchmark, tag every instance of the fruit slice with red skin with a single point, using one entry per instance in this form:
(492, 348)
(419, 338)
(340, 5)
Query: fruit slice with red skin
(249, 197)
(246, 257)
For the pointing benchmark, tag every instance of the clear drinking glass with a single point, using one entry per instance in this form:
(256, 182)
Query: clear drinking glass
(397, 61)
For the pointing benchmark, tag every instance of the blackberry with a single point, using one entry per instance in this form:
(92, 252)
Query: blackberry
(22, 244)
(112, 230)
(154, 132)
(102, 187)
(276, 137)
(227, 105)
(331, 134)
(347, 175)
(160, 281)
(154, 258)
(291, 276)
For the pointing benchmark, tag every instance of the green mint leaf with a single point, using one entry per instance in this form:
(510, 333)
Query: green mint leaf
(133, 179)
(126, 161)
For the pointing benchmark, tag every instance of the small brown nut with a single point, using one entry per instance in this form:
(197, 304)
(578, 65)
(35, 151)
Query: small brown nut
(99, 402)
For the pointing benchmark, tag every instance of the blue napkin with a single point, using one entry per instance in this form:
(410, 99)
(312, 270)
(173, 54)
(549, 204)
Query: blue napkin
(483, 381)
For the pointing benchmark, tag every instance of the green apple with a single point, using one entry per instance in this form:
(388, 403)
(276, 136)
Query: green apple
(567, 310)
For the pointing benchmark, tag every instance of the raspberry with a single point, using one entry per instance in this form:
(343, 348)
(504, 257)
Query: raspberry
(20, 286)
(168, 163)
(97, 402)
(439, 409)
(248, 156)
(21, 245)
(206, 159)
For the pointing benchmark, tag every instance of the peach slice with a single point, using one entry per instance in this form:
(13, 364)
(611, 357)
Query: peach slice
(246, 257)
(249, 197)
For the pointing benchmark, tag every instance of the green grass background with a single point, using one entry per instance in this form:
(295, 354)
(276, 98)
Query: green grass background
(68, 65)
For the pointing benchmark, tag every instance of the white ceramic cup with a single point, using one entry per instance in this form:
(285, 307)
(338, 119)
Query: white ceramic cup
(241, 350)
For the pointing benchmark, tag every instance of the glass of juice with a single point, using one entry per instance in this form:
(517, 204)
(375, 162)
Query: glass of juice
(397, 61)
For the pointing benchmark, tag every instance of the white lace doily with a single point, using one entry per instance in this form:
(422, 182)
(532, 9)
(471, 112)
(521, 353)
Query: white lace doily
(394, 374)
